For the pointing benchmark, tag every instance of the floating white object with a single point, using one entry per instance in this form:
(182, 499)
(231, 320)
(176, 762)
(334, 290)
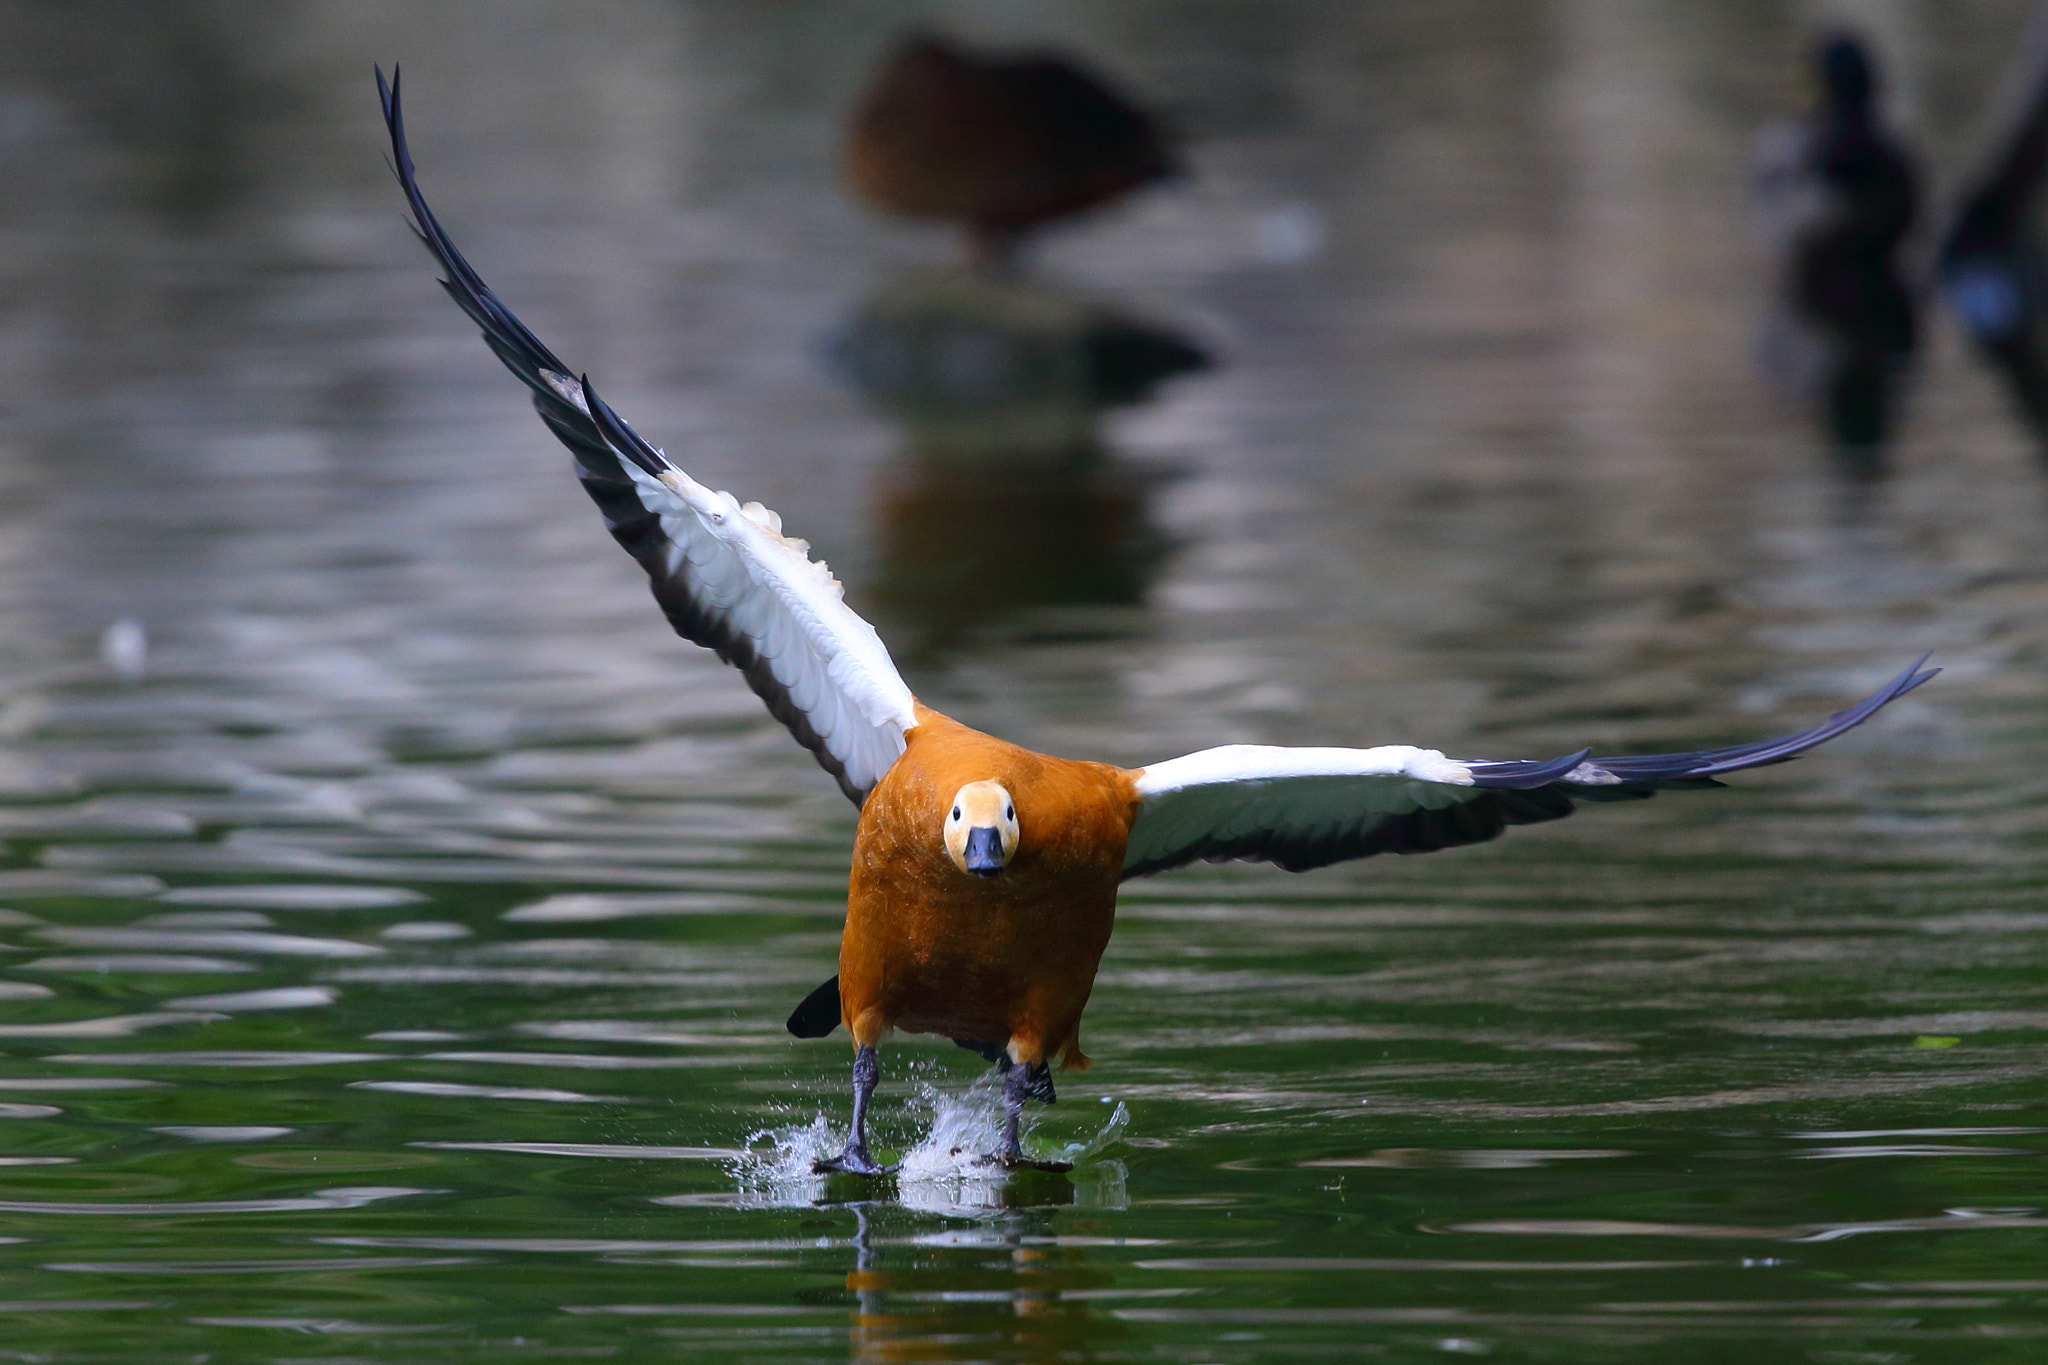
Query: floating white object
(125, 647)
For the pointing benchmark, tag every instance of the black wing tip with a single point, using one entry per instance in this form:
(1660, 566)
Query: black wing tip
(389, 100)
(1638, 770)
(601, 442)
(1840, 723)
(1523, 776)
(621, 438)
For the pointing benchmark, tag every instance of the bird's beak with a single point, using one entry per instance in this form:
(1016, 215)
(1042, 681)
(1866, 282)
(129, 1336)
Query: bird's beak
(984, 853)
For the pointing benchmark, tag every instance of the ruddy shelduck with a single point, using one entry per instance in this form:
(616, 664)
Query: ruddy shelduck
(984, 879)
(1001, 143)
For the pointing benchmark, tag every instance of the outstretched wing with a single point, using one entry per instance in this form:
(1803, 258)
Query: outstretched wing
(1304, 808)
(725, 574)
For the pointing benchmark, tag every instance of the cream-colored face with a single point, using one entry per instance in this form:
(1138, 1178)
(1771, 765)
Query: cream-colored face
(981, 828)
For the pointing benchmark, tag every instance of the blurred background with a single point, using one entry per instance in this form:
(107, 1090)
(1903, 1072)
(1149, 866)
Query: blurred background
(1498, 377)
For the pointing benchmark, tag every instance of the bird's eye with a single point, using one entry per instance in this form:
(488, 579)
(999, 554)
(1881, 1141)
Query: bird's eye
(1009, 812)
(956, 812)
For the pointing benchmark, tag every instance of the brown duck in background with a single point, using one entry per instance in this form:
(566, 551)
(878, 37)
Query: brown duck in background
(1001, 144)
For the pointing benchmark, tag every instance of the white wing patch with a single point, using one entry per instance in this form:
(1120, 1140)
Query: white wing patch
(1295, 807)
(739, 566)
(724, 575)
(1304, 808)
(1254, 762)
(831, 662)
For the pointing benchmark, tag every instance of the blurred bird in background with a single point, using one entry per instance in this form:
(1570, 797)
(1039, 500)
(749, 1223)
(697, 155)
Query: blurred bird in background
(1845, 194)
(1993, 268)
(1000, 144)
(996, 378)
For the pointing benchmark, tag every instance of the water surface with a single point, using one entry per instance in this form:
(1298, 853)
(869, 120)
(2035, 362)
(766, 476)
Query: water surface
(395, 970)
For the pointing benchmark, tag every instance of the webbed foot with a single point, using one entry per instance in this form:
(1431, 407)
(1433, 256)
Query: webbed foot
(853, 1161)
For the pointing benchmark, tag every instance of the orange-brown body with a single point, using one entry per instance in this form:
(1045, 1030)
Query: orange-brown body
(1007, 960)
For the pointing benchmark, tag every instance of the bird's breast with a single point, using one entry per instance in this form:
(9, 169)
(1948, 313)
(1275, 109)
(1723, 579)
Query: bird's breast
(937, 948)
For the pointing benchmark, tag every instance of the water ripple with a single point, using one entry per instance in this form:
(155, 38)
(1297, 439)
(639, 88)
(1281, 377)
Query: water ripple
(77, 1083)
(222, 940)
(639, 1031)
(294, 896)
(225, 1132)
(282, 1266)
(579, 1061)
(1951, 1220)
(139, 965)
(1302, 1265)
(439, 975)
(275, 998)
(105, 1026)
(341, 1197)
(326, 1326)
(1911, 1149)
(593, 1149)
(1488, 1159)
(455, 1090)
(222, 1058)
(582, 1246)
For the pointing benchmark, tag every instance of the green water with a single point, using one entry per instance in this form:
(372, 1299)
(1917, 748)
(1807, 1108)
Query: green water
(395, 971)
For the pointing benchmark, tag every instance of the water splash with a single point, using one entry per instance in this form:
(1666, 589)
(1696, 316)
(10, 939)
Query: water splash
(944, 1170)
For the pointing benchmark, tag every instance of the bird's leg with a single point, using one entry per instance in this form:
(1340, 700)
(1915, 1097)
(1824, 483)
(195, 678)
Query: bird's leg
(1016, 1088)
(1019, 1082)
(855, 1159)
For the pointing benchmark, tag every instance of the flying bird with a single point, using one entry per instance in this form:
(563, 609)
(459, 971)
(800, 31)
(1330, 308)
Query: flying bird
(984, 877)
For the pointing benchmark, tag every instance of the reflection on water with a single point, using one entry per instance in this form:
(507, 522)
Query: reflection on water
(980, 368)
(967, 545)
(393, 966)
(1993, 269)
(1005, 499)
(1846, 195)
(1014, 1289)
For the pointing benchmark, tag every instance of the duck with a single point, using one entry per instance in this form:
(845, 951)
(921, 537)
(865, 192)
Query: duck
(1992, 270)
(984, 876)
(1001, 143)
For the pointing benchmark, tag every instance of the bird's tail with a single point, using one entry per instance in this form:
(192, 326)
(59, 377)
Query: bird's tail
(1071, 1056)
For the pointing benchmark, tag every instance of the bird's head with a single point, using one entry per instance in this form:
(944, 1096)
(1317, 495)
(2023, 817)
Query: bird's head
(1848, 79)
(981, 828)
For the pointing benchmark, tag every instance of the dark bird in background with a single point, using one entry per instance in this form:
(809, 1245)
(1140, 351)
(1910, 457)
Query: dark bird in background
(1001, 144)
(1993, 270)
(1843, 281)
